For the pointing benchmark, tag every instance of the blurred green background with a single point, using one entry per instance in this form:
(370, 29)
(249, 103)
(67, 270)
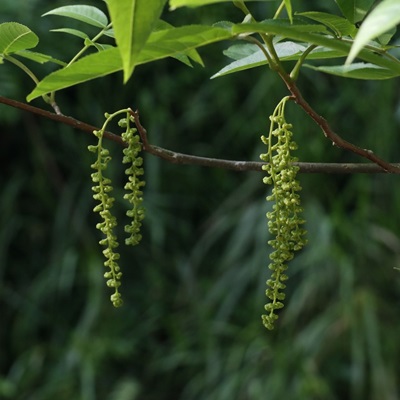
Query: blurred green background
(194, 288)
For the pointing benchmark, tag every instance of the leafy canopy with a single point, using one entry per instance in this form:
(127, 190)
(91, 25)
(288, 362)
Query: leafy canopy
(140, 37)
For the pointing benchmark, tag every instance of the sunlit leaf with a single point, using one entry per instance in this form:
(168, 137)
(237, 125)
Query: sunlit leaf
(382, 18)
(88, 14)
(357, 71)
(133, 21)
(287, 51)
(15, 37)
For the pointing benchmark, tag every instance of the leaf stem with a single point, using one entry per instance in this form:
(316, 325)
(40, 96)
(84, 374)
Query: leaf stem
(22, 66)
(242, 6)
(279, 10)
(97, 37)
(294, 74)
(49, 99)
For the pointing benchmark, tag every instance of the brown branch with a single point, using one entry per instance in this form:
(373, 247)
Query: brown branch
(186, 159)
(305, 167)
(59, 118)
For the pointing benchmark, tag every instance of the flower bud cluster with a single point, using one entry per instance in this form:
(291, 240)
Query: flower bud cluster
(284, 221)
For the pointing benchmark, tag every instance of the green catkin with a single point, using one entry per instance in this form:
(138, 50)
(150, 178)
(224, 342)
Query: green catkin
(134, 185)
(102, 194)
(284, 221)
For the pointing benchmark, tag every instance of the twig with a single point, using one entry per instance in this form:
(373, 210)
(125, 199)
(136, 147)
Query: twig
(187, 159)
(305, 167)
(59, 118)
(333, 136)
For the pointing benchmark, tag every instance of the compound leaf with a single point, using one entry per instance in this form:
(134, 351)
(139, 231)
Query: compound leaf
(161, 44)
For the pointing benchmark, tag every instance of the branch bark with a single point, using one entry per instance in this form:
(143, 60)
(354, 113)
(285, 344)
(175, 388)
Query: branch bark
(187, 159)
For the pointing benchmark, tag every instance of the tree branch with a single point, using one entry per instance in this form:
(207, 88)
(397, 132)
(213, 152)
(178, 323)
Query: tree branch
(275, 64)
(329, 133)
(186, 159)
(59, 118)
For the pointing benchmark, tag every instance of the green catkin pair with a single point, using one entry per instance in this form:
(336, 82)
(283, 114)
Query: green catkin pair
(284, 221)
(102, 193)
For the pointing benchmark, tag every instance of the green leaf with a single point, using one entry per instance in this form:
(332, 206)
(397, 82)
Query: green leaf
(242, 50)
(385, 38)
(298, 25)
(382, 18)
(285, 51)
(173, 41)
(133, 21)
(90, 67)
(88, 14)
(109, 33)
(340, 26)
(294, 33)
(73, 32)
(357, 71)
(15, 37)
(354, 10)
(39, 57)
(174, 4)
(288, 6)
(100, 47)
(183, 57)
